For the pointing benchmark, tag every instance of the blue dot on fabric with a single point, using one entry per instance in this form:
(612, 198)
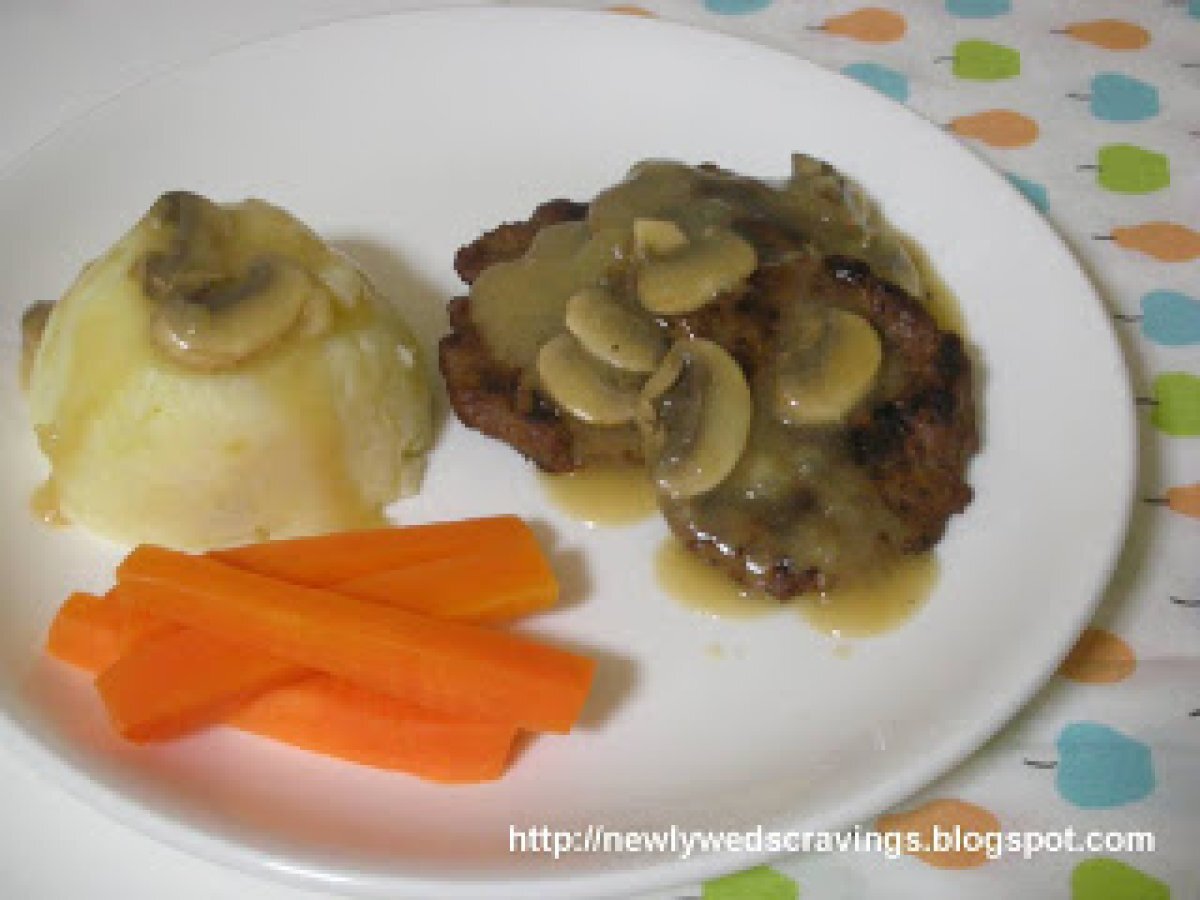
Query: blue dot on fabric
(1194, 9)
(735, 7)
(1099, 767)
(1119, 98)
(887, 81)
(1035, 193)
(1171, 318)
(979, 9)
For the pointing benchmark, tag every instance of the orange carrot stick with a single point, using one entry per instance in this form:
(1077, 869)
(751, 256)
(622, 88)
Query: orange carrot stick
(176, 681)
(136, 624)
(93, 632)
(317, 713)
(493, 585)
(86, 632)
(325, 715)
(325, 560)
(450, 667)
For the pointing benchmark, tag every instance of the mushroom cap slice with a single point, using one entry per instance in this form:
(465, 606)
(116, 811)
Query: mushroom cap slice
(229, 282)
(590, 390)
(657, 237)
(694, 415)
(683, 281)
(818, 383)
(614, 333)
(228, 321)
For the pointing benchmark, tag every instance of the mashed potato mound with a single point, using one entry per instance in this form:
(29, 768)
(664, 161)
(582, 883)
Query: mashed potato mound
(222, 376)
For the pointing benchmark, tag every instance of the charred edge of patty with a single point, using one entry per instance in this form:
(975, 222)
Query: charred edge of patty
(783, 580)
(510, 241)
(915, 446)
(498, 400)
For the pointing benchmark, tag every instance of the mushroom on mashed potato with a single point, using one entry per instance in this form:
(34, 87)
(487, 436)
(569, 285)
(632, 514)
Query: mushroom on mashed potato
(221, 375)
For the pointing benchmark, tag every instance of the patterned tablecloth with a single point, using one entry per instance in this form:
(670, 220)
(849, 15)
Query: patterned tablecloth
(1092, 110)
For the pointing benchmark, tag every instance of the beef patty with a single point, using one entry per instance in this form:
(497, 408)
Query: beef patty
(806, 505)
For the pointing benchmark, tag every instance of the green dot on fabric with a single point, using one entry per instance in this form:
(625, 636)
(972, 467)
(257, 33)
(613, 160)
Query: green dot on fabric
(984, 61)
(1108, 879)
(1177, 404)
(760, 883)
(1128, 169)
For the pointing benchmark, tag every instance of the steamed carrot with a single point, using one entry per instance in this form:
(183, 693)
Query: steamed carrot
(493, 585)
(92, 631)
(159, 689)
(176, 681)
(324, 560)
(86, 631)
(450, 667)
(136, 624)
(324, 715)
(316, 713)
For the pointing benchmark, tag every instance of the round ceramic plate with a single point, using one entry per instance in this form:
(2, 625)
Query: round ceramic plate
(402, 138)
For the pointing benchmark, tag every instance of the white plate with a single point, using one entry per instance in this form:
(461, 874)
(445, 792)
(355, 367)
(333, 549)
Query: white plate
(402, 138)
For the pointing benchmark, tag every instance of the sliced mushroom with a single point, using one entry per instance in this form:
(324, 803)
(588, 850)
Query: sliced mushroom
(888, 258)
(686, 280)
(214, 310)
(612, 332)
(227, 321)
(195, 228)
(821, 378)
(694, 415)
(344, 280)
(657, 237)
(587, 388)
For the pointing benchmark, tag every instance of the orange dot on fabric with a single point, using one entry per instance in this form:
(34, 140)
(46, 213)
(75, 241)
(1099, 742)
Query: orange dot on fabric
(1111, 34)
(1185, 500)
(629, 10)
(1099, 657)
(1165, 241)
(946, 834)
(870, 24)
(997, 127)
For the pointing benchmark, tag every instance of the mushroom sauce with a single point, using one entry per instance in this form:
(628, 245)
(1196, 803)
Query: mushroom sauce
(599, 308)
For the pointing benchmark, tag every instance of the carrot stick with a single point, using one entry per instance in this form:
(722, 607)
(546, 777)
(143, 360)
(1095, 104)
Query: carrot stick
(325, 715)
(451, 667)
(494, 585)
(86, 632)
(164, 686)
(325, 560)
(175, 681)
(317, 713)
(136, 624)
(93, 632)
